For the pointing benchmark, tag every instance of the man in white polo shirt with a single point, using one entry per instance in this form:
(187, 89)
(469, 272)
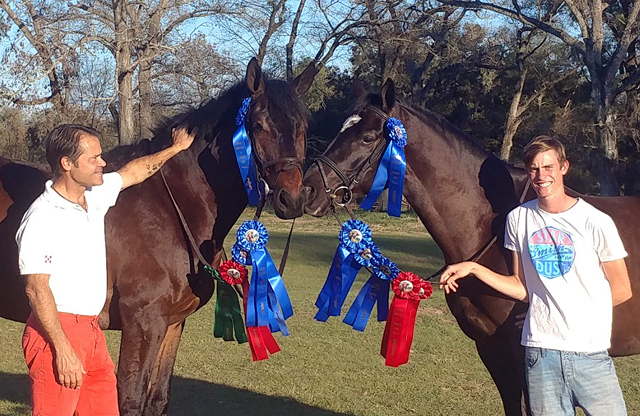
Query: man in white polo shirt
(62, 257)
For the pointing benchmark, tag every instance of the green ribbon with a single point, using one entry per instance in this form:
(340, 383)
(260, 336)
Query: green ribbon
(227, 317)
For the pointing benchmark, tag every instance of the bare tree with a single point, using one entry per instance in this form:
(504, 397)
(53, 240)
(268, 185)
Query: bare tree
(607, 35)
(136, 32)
(41, 58)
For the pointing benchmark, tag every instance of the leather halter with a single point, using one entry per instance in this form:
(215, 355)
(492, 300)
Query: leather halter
(348, 183)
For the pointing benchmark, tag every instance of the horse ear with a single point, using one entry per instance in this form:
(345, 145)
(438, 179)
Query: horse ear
(254, 79)
(357, 88)
(388, 94)
(303, 82)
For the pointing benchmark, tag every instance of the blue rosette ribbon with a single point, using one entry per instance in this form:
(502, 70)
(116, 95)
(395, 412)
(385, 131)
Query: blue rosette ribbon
(354, 246)
(268, 302)
(375, 290)
(391, 170)
(244, 155)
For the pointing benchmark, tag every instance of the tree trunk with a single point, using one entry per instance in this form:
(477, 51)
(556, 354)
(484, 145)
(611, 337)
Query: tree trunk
(146, 122)
(513, 120)
(607, 156)
(124, 75)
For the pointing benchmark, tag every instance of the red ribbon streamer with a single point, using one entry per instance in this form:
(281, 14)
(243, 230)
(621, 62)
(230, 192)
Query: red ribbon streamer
(261, 341)
(398, 332)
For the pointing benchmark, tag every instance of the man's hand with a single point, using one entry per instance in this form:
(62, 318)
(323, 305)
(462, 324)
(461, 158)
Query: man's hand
(181, 139)
(69, 369)
(448, 279)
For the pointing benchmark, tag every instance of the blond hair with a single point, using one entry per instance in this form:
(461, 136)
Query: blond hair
(542, 144)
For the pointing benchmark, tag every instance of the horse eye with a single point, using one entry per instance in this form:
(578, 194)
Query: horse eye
(256, 127)
(367, 139)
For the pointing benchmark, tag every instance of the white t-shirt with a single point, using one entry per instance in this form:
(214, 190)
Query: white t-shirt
(59, 238)
(570, 305)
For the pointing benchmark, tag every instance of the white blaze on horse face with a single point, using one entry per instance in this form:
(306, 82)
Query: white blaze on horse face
(350, 122)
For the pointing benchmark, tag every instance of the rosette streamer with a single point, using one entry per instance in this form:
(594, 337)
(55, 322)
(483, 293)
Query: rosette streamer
(267, 303)
(376, 290)
(354, 246)
(408, 290)
(228, 318)
(244, 156)
(391, 170)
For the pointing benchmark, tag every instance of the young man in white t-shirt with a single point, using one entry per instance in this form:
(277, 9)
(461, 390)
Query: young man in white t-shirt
(62, 257)
(568, 263)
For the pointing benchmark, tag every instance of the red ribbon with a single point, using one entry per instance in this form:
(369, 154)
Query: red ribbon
(261, 341)
(398, 332)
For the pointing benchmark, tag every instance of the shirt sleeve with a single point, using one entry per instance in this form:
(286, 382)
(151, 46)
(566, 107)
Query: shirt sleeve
(607, 242)
(106, 195)
(510, 236)
(36, 246)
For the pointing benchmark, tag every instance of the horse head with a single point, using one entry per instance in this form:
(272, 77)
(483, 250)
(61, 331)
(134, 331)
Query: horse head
(276, 123)
(345, 171)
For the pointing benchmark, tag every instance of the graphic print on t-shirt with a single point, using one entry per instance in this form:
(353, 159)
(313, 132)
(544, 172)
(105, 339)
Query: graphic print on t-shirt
(552, 252)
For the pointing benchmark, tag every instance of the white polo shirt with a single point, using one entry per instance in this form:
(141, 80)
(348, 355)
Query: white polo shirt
(59, 238)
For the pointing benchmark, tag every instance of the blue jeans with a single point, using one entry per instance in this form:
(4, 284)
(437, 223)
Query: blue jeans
(558, 381)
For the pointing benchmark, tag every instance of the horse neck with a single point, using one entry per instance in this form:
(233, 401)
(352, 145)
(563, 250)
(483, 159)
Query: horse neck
(460, 192)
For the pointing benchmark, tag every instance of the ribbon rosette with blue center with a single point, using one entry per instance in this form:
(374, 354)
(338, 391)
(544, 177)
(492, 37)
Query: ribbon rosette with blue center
(391, 170)
(376, 290)
(355, 249)
(244, 155)
(268, 303)
(239, 255)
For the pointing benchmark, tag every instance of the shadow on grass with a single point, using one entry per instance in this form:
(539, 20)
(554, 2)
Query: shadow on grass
(200, 398)
(188, 397)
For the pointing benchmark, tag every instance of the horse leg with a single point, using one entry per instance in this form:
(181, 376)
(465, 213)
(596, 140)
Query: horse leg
(160, 383)
(142, 335)
(505, 363)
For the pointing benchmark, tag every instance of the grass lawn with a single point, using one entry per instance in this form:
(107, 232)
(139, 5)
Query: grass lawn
(323, 368)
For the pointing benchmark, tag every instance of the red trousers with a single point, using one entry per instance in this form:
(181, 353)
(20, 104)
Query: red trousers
(97, 396)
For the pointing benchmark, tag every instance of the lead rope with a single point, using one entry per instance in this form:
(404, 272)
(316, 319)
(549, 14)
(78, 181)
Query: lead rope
(185, 227)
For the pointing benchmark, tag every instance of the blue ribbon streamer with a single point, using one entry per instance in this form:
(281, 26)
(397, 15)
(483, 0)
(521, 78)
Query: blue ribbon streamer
(342, 274)
(269, 303)
(375, 290)
(244, 156)
(391, 171)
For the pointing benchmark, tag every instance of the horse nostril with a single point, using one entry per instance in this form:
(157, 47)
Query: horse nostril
(282, 197)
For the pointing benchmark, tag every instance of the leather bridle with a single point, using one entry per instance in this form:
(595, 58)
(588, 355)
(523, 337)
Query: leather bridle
(348, 183)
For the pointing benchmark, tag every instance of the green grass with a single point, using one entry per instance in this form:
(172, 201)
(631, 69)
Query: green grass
(323, 368)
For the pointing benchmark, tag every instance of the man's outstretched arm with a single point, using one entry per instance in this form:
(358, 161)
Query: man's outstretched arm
(142, 168)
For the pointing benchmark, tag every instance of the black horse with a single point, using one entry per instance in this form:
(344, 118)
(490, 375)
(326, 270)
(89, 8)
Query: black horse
(462, 195)
(154, 279)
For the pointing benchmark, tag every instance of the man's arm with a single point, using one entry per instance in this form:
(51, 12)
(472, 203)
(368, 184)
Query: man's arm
(142, 168)
(513, 285)
(616, 273)
(68, 365)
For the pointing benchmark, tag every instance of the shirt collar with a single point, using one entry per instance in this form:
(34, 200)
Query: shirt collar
(57, 200)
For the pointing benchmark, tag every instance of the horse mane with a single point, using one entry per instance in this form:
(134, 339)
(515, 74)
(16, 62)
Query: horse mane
(208, 119)
(437, 121)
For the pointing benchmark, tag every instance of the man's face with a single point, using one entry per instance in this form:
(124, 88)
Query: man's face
(547, 174)
(87, 169)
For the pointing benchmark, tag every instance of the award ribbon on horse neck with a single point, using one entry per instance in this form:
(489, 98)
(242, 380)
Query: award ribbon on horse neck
(228, 318)
(375, 290)
(408, 290)
(244, 155)
(355, 249)
(267, 301)
(391, 170)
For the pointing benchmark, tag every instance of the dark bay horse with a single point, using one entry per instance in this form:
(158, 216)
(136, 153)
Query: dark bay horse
(154, 281)
(462, 195)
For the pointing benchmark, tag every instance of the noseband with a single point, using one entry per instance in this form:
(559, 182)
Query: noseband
(348, 183)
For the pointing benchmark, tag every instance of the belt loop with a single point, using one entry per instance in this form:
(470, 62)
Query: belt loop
(77, 318)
